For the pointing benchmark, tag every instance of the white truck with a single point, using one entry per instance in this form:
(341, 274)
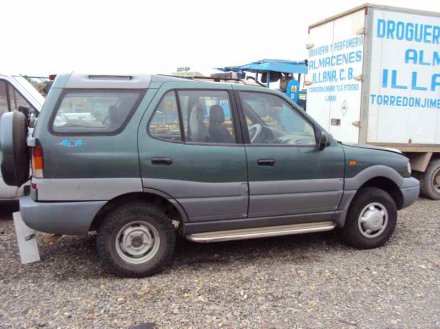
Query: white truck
(16, 91)
(374, 78)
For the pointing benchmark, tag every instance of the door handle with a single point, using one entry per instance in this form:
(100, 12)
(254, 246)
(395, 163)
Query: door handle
(266, 162)
(161, 161)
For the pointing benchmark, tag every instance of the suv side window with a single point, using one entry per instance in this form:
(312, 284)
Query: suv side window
(94, 112)
(16, 99)
(4, 107)
(165, 123)
(271, 120)
(207, 116)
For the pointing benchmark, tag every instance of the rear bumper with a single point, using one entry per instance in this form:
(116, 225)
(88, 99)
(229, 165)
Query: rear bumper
(72, 218)
(410, 189)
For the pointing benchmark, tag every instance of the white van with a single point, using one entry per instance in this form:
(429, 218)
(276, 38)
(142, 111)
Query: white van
(16, 91)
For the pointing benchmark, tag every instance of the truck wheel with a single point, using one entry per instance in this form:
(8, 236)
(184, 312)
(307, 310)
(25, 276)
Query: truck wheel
(430, 181)
(135, 240)
(15, 154)
(371, 219)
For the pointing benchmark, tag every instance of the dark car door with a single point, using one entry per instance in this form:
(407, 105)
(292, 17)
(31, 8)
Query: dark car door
(288, 174)
(190, 149)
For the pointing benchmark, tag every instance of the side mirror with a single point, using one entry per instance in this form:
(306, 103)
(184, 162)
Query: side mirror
(25, 110)
(29, 114)
(324, 140)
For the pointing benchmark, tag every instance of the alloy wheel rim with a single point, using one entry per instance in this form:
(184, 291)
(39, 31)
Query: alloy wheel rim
(137, 242)
(373, 220)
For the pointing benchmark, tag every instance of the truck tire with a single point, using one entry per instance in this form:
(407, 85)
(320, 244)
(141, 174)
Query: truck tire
(430, 181)
(135, 240)
(15, 153)
(371, 219)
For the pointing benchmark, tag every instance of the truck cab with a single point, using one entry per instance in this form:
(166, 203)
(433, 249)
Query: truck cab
(16, 91)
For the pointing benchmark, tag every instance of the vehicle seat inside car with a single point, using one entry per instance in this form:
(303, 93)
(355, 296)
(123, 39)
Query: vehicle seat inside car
(218, 133)
(198, 130)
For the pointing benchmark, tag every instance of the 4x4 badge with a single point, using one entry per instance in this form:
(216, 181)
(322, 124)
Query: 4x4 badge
(67, 143)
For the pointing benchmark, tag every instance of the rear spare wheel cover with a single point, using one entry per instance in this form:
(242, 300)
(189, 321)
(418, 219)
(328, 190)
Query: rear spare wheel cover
(15, 153)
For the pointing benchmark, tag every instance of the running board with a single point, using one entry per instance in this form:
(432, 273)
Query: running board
(261, 232)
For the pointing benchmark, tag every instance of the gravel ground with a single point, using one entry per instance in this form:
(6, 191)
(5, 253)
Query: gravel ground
(308, 281)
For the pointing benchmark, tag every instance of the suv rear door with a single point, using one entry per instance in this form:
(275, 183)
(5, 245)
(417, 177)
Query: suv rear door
(190, 148)
(288, 173)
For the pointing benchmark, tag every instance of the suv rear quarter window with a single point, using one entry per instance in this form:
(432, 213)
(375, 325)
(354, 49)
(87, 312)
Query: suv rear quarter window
(94, 112)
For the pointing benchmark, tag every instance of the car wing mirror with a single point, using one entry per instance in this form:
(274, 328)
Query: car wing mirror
(25, 110)
(324, 140)
(29, 113)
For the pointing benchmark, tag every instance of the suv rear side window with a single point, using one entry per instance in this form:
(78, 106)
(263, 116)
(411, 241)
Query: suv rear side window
(16, 99)
(94, 112)
(9, 93)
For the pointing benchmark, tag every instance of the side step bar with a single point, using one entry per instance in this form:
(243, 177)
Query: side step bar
(261, 232)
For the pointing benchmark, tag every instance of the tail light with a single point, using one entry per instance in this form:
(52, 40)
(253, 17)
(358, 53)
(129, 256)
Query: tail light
(37, 161)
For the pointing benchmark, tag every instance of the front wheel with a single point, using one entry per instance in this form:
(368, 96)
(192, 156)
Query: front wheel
(371, 219)
(136, 240)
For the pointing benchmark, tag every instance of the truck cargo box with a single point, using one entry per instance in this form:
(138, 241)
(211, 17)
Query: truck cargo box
(374, 77)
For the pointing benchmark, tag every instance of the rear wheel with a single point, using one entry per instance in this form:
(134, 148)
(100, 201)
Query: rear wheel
(371, 219)
(430, 181)
(136, 240)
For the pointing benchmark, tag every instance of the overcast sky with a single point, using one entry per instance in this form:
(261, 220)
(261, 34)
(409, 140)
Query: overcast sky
(43, 37)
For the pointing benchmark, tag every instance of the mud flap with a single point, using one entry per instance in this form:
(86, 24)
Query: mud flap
(27, 240)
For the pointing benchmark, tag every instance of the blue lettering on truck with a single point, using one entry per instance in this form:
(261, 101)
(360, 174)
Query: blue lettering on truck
(408, 73)
(397, 30)
(331, 67)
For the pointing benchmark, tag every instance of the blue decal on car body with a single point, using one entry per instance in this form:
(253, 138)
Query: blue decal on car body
(67, 143)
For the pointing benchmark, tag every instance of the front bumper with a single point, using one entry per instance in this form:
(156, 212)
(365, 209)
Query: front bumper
(410, 189)
(72, 218)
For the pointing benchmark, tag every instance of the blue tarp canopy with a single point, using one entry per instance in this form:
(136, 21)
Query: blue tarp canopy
(270, 65)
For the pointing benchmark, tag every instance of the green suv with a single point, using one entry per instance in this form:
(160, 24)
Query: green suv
(143, 158)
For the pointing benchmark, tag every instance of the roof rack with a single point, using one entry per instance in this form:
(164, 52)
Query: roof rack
(226, 77)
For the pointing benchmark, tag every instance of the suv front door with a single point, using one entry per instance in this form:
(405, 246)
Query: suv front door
(288, 173)
(192, 151)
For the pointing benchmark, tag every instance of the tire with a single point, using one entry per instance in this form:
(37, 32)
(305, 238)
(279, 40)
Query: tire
(15, 153)
(135, 240)
(430, 181)
(371, 219)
